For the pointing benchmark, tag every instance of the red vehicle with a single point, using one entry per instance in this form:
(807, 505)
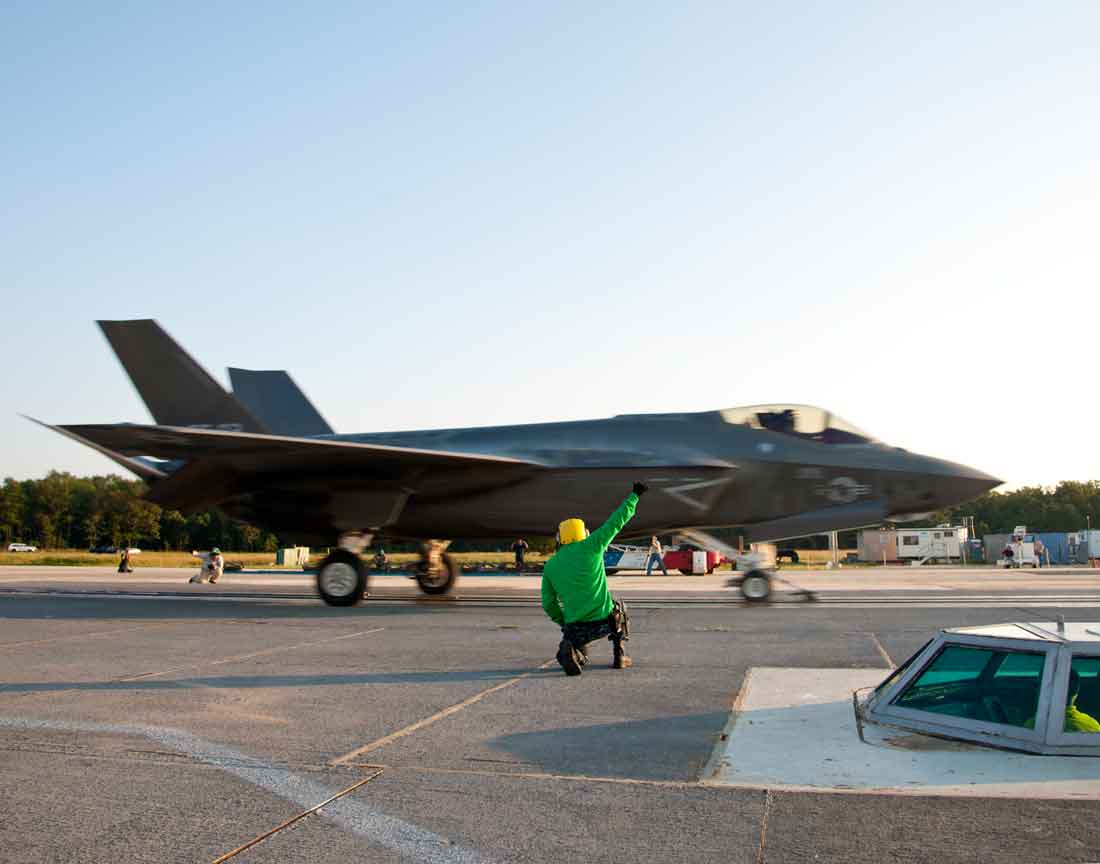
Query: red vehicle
(682, 557)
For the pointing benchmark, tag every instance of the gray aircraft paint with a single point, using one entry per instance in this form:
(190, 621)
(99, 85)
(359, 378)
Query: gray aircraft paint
(278, 402)
(705, 472)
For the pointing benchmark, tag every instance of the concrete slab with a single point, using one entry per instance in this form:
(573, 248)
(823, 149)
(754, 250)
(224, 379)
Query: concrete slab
(795, 729)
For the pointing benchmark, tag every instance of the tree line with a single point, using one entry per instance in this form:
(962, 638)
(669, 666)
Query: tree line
(64, 511)
(61, 511)
(1069, 506)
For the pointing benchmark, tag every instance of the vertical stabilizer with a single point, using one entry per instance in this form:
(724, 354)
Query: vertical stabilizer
(176, 390)
(278, 402)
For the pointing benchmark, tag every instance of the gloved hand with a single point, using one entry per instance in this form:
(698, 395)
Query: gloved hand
(640, 489)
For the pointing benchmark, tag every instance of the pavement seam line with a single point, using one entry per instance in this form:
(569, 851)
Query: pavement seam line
(233, 853)
(761, 850)
(408, 840)
(93, 634)
(434, 718)
(882, 652)
(714, 763)
(239, 657)
(538, 775)
(195, 666)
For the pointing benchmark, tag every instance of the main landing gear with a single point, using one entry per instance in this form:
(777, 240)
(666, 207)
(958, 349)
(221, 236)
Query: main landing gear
(436, 572)
(342, 576)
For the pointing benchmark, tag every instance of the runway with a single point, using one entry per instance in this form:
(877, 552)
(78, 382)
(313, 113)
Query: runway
(145, 719)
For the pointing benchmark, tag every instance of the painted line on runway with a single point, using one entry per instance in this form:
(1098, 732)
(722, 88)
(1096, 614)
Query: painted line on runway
(404, 838)
(93, 634)
(434, 718)
(836, 601)
(241, 657)
(233, 853)
(882, 652)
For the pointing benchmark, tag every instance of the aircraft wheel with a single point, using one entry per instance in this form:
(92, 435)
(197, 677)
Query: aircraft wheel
(441, 581)
(341, 578)
(756, 586)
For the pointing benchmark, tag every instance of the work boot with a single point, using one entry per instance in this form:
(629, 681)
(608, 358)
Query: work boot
(620, 660)
(569, 658)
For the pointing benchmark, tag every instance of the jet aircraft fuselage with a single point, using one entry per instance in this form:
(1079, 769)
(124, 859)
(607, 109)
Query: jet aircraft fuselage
(265, 455)
(708, 469)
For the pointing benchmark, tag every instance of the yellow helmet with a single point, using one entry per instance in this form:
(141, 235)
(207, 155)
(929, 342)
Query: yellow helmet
(571, 530)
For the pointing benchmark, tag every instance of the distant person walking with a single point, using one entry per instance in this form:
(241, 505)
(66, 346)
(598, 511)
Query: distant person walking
(381, 562)
(520, 548)
(656, 556)
(124, 561)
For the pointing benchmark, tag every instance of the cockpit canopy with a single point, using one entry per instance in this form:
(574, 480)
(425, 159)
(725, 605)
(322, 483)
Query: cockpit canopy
(799, 421)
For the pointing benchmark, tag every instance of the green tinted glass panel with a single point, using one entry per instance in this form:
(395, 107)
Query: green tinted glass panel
(992, 686)
(1086, 667)
(1083, 707)
(1016, 663)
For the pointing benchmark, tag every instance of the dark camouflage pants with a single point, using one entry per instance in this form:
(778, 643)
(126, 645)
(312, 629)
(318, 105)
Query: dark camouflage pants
(616, 626)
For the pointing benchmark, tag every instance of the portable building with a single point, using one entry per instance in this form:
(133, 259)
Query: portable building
(878, 544)
(1056, 547)
(1087, 546)
(994, 546)
(943, 541)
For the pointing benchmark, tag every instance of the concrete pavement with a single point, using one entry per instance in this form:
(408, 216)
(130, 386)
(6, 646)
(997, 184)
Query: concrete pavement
(181, 728)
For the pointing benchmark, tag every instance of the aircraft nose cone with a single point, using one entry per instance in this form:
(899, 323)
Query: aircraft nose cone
(959, 483)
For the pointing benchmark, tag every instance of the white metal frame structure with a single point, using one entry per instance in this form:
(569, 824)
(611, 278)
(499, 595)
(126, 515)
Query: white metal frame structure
(1059, 644)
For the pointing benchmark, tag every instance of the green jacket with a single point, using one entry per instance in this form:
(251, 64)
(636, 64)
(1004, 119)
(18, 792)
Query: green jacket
(574, 583)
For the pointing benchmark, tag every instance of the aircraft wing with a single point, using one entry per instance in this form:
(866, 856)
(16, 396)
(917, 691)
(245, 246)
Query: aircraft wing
(246, 452)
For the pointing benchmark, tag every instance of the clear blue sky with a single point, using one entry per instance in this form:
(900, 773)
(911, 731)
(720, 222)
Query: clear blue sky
(479, 213)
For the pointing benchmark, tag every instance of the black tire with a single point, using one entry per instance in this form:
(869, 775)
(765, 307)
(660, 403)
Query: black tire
(444, 582)
(341, 578)
(756, 586)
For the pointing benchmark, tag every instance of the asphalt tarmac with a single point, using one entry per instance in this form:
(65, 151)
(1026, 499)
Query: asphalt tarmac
(145, 719)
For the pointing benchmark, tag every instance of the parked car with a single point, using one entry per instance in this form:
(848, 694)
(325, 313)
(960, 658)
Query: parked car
(112, 550)
(21, 547)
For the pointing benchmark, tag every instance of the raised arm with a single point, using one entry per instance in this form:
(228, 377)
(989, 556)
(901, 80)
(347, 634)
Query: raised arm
(601, 538)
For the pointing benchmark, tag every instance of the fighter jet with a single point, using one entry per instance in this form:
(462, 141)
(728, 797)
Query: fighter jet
(265, 455)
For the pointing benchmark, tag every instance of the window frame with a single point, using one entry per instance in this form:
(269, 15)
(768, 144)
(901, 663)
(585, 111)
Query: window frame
(1057, 713)
(884, 705)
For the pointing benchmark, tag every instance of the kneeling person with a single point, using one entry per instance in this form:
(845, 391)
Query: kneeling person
(575, 593)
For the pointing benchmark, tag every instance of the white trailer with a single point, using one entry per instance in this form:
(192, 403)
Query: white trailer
(944, 542)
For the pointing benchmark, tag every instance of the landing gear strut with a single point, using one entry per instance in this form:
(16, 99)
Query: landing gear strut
(436, 572)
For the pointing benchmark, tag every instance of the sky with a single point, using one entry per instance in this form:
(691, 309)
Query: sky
(461, 214)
